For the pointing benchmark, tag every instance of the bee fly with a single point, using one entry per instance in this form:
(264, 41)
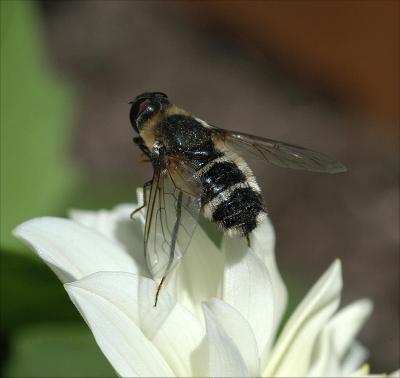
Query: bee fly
(197, 167)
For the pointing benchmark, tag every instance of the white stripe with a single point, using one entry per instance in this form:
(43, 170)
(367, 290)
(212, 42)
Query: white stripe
(210, 206)
(208, 166)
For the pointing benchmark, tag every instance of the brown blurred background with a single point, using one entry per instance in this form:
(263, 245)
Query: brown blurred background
(322, 74)
(319, 74)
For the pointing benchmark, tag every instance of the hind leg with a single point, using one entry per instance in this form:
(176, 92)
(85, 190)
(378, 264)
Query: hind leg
(159, 289)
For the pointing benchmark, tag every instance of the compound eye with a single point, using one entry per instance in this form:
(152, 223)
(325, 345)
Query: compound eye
(145, 106)
(143, 109)
(138, 107)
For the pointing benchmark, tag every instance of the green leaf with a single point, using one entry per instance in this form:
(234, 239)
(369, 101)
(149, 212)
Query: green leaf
(47, 335)
(36, 113)
(56, 351)
(31, 293)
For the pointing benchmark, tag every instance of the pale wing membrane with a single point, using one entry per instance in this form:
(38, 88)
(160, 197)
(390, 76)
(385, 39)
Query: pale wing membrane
(151, 237)
(170, 222)
(184, 177)
(279, 153)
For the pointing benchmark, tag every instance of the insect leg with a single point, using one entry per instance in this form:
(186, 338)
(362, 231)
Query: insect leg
(248, 240)
(146, 184)
(158, 289)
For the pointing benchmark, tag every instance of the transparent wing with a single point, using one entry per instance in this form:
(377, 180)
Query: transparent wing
(184, 177)
(171, 219)
(278, 153)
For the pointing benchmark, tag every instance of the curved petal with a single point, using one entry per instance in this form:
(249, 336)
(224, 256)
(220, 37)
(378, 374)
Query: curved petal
(292, 352)
(239, 330)
(263, 244)
(113, 321)
(181, 340)
(354, 359)
(337, 337)
(116, 225)
(104, 221)
(199, 277)
(72, 250)
(225, 359)
(175, 332)
(247, 288)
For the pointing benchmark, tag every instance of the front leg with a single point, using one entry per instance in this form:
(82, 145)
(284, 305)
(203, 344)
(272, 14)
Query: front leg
(145, 186)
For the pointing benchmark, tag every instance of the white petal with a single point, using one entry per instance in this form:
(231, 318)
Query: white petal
(113, 321)
(292, 352)
(181, 340)
(134, 295)
(247, 288)
(199, 277)
(354, 358)
(107, 221)
(395, 374)
(263, 244)
(72, 250)
(225, 359)
(117, 226)
(175, 332)
(239, 330)
(337, 337)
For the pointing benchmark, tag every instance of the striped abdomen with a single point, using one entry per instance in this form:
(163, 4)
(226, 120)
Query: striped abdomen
(231, 196)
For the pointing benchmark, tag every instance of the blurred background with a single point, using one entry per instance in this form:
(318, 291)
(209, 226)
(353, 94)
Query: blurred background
(320, 74)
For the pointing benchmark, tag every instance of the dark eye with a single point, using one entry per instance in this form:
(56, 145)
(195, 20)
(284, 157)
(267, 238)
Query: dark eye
(144, 105)
(137, 109)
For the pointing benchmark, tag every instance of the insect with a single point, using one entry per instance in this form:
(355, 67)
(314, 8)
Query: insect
(200, 167)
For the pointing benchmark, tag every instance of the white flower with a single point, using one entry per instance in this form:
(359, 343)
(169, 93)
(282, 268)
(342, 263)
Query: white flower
(218, 316)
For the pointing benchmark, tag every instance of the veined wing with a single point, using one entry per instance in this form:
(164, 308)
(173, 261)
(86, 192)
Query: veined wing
(278, 153)
(172, 214)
